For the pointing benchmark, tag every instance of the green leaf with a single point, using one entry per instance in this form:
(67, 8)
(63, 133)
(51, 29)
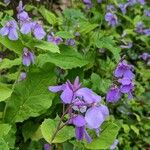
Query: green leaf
(86, 27)
(68, 58)
(48, 128)
(31, 97)
(65, 34)
(7, 63)
(4, 129)
(47, 46)
(108, 43)
(126, 128)
(5, 92)
(3, 144)
(135, 129)
(15, 46)
(48, 16)
(107, 136)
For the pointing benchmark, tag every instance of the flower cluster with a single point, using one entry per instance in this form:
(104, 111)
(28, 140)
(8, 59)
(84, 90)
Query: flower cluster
(85, 110)
(125, 84)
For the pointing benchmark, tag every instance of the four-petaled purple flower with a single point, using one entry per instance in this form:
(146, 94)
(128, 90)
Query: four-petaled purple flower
(88, 3)
(86, 110)
(147, 13)
(127, 46)
(23, 76)
(54, 39)
(140, 27)
(111, 19)
(10, 29)
(123, 8)
(27, 57)
(124, 70)
(70, 42)
(113, 94)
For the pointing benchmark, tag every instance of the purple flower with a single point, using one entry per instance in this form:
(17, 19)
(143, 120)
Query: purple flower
(7, 1)
(142, 2)
(140, 27)
(113, 94)
(54, 39)
(88, 3)
(10, 29)
(27, 57)
(126, 86)
(38, 30)
(72, 93)
(23, 76)
(131, 2)
(113, 146)
(145, 56)
(111, 19)
(123, 8)
(111, 8)
(126, 46)
(47, 146)
(147, 13)
(70, 42)
(77, 34)
(146, 32)
(99, 1)
(124, 70)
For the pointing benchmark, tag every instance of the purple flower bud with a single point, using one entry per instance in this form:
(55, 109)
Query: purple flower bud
(10, 29)
(145, 56)
(70, 42)
(27, 57)
(113, 94)
(111, 19)
(123, 8)
(23, 76)
(113, 146)
(38, 30)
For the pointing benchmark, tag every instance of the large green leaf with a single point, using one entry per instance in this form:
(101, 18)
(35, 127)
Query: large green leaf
(108, 43)
(3, 144)
(7, 63)
(5, 92)
(48, 128)
(15, 46)
(31, 97)
(4, 129)
(107, 136)
(48, 16)
(67, 59)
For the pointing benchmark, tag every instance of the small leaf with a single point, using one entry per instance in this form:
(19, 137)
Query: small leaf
(135, 129)
(5, 92)
(48, 128)
(4, 129)
(15, 46)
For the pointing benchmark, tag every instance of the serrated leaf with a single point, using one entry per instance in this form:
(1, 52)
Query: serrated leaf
(31, 97)
(7, 63)
(67, 59)
(4, 129)
(15, 46)
(3, 144)
(86, 27)
(48, 128)
(106, 138)
(108, 43)
(5, 92)
(65, 34)
(48, 16)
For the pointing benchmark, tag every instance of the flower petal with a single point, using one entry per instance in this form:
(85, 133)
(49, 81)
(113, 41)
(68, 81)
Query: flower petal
(13, 35)
(78, 121)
